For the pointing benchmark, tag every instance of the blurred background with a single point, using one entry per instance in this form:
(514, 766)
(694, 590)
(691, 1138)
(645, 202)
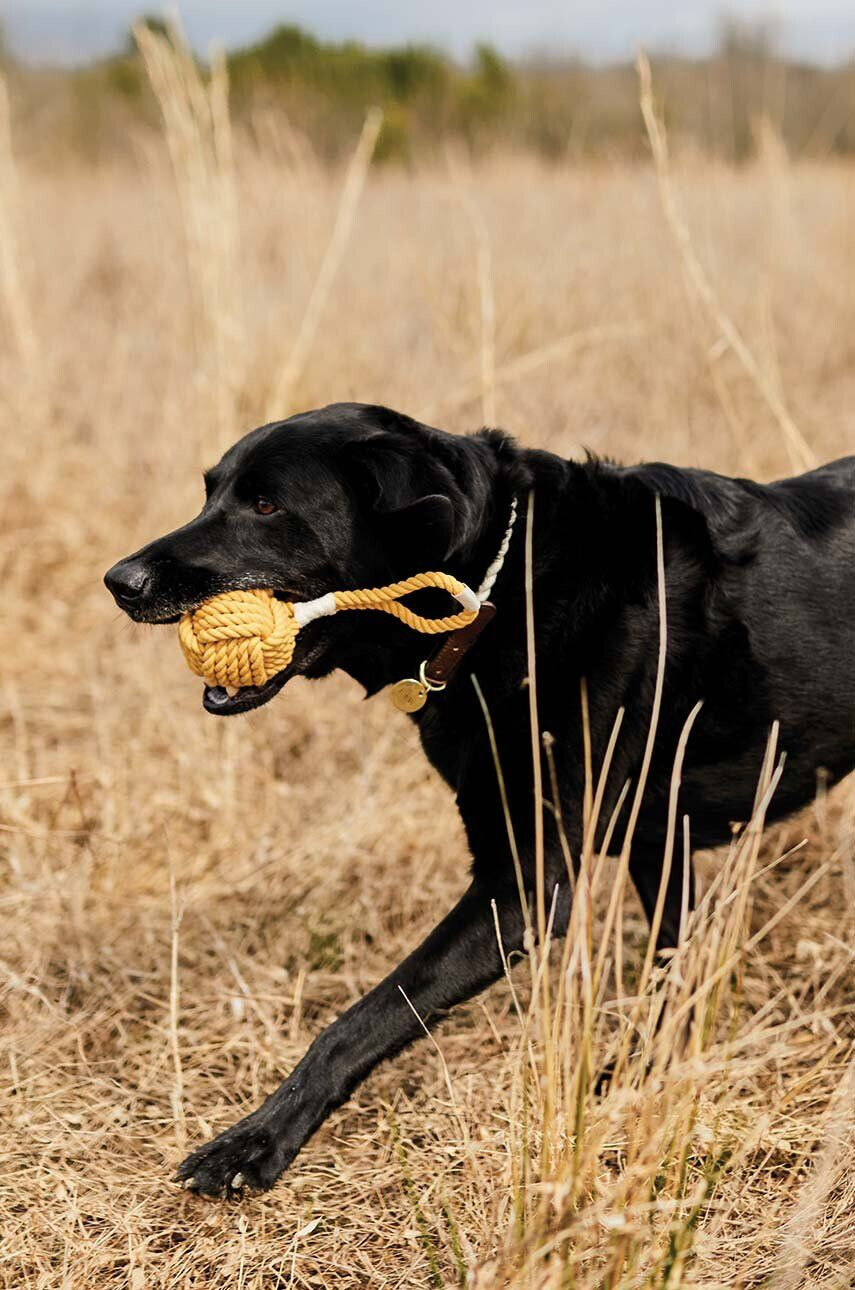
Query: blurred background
(552, 79)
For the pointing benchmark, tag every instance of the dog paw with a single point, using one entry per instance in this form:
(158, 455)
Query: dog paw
(246, 1155)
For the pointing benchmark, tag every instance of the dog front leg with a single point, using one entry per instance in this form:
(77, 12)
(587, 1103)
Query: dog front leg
(459, 958)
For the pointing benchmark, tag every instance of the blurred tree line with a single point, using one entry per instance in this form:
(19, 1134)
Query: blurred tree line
(554, 107)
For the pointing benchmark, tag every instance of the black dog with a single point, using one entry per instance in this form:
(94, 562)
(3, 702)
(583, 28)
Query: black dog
(761, 617)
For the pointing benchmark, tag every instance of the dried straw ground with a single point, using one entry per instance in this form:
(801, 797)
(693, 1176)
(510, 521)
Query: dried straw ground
(186, 902)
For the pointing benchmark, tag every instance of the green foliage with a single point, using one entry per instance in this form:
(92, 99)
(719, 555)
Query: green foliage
(333, 85)
(413, 71)
(394, 143)
(552, 108)
(125, 77)
(348, 71)
(486, 96)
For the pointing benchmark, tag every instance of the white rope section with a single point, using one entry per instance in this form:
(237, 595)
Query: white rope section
(306, 611)
(495, 568)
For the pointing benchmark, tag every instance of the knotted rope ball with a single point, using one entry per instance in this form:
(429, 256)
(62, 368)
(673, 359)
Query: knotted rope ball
(243, 638)
(239, 638)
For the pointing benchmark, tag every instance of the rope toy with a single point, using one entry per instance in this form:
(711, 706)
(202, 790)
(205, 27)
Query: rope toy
(241, 638)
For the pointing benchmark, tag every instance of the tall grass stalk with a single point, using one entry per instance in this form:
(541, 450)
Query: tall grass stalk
(282, 396)
(14, 292)
(198, 134)
(801, 454)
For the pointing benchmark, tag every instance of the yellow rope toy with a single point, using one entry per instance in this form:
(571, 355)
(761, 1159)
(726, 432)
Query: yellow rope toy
(245, 637)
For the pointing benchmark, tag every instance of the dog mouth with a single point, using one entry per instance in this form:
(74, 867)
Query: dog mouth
(228, 701)
(231, 701)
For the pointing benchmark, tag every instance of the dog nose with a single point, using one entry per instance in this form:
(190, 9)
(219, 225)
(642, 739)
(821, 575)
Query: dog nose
(127, 582)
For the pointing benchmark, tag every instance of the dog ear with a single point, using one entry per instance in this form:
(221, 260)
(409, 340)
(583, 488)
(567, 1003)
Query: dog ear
(426, 524)
(414, 523)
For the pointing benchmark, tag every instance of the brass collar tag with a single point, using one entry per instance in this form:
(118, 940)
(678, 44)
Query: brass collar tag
(411, 694)
(408, 695)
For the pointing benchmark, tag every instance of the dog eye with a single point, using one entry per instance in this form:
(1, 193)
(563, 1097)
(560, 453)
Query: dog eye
(263, 506)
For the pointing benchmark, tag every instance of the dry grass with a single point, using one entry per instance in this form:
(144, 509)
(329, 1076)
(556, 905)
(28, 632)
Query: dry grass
(186, 902)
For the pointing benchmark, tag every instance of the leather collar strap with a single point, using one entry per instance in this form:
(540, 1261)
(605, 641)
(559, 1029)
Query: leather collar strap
(442, 665)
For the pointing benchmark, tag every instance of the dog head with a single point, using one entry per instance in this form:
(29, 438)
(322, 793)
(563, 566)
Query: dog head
(347, 496)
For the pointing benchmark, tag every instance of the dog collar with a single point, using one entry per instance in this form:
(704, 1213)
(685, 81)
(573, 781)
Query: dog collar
(411, 693)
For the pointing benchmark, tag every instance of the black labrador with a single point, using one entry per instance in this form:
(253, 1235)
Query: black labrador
(761, 616)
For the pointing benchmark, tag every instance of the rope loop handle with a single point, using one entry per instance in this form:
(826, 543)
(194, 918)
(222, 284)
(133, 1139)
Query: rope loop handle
(388, 599)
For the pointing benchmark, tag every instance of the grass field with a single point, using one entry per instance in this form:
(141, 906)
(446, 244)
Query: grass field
(187, 902)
